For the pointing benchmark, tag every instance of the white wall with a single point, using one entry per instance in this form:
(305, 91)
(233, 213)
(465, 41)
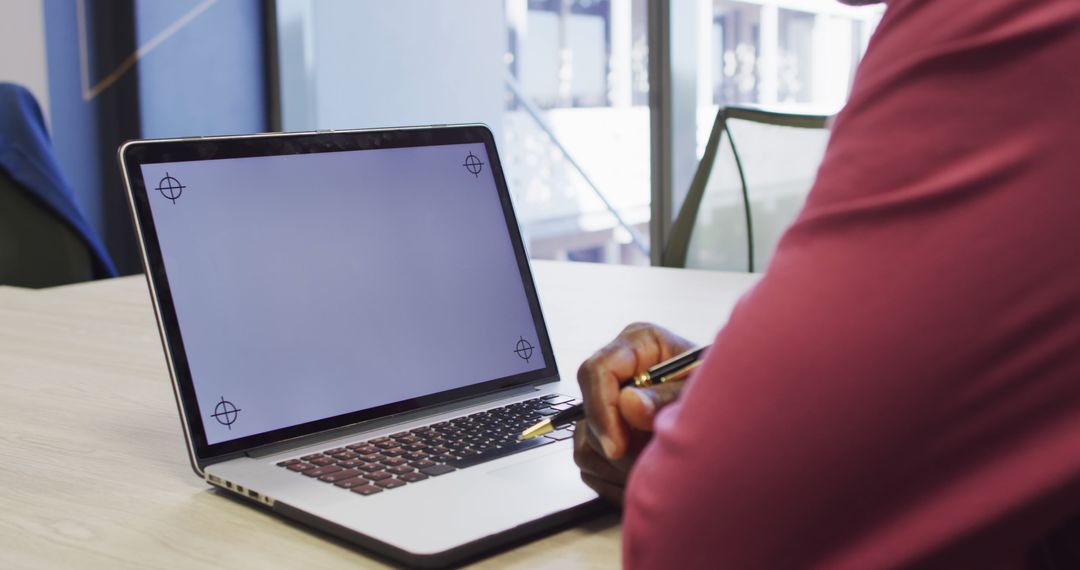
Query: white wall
(22, 47)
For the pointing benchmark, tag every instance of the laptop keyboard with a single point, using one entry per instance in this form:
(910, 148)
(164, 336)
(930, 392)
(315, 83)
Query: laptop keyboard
(375, 465)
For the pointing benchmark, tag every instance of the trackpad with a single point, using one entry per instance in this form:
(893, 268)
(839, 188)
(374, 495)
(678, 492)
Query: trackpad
(553, 467)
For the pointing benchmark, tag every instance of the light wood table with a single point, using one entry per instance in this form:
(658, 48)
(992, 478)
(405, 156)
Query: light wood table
(93, 471)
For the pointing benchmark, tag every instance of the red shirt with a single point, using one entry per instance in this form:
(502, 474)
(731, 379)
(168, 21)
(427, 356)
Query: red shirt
(903, 385)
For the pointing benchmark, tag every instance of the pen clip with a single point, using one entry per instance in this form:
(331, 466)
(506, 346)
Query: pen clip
(644, 380)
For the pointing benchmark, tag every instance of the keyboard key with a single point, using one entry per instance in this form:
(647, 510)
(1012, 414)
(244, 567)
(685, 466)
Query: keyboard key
(412, 477)
(562, 407)
(367, 467)
(325, 470)
(500, 452)
(340, 475)
(437, 470)
(350, 483)
(298, 467)
(559, 435)
(366, 490)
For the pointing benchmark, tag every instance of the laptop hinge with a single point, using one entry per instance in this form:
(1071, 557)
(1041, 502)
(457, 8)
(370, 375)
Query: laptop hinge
(374, 424)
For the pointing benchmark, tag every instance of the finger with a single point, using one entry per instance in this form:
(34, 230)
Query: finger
(610, 492)
(638, 347)
(590, 459)
(638, 406)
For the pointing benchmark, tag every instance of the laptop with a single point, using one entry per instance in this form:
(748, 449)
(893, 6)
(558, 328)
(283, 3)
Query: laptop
(353, 334)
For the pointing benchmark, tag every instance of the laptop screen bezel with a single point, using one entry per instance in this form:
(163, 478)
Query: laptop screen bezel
(135, 154)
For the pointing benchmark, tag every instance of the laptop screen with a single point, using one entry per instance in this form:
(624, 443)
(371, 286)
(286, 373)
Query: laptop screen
(315, 285)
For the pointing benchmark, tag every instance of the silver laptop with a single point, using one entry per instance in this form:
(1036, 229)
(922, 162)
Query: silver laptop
(353, 334)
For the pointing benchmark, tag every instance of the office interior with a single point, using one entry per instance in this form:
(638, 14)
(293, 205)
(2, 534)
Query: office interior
(603, 111)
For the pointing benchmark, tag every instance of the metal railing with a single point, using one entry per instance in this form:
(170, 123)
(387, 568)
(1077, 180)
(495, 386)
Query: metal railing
(537, 115)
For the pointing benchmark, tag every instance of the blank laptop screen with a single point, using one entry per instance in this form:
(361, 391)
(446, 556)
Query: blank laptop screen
(307, 286)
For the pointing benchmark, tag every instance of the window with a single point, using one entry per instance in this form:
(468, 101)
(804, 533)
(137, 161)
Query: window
(798, 54)
(565, 87)
(576, 127)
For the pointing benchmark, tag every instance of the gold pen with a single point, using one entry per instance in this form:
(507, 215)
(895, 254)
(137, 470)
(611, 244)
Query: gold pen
(671, 370)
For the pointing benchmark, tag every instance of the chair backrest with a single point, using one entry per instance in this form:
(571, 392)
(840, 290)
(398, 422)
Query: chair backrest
(36, 248)
(746, 192)
(44, 238)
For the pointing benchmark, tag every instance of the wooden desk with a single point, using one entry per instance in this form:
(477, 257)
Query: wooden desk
(93, 471)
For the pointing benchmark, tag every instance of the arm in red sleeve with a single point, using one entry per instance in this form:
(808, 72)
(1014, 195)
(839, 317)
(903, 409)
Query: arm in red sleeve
(901, 388)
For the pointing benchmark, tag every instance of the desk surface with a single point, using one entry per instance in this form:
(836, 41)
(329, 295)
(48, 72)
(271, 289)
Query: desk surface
(94, 469)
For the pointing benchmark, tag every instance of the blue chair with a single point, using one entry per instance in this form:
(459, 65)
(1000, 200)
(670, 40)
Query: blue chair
(44, 238)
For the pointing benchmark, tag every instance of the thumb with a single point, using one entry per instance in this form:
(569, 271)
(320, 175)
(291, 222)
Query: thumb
(639, 406)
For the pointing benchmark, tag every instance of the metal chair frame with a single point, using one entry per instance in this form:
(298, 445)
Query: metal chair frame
(678, 244)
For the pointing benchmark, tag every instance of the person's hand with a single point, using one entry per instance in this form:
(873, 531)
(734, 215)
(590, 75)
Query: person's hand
(619, 420)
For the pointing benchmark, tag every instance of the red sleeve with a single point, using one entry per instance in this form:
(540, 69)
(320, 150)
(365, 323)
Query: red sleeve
(903, 385)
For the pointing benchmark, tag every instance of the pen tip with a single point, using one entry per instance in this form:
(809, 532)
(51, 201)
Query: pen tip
(540, 428)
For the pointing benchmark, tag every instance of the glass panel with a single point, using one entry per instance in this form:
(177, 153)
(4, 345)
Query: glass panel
(563, 84)
(576, 127)
(785, 51)
(736, 46)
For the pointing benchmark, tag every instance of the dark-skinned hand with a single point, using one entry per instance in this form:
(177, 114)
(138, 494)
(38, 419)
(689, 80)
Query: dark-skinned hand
(619, 421)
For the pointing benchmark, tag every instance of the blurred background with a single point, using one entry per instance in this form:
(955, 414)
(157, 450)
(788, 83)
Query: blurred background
(601, 108)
